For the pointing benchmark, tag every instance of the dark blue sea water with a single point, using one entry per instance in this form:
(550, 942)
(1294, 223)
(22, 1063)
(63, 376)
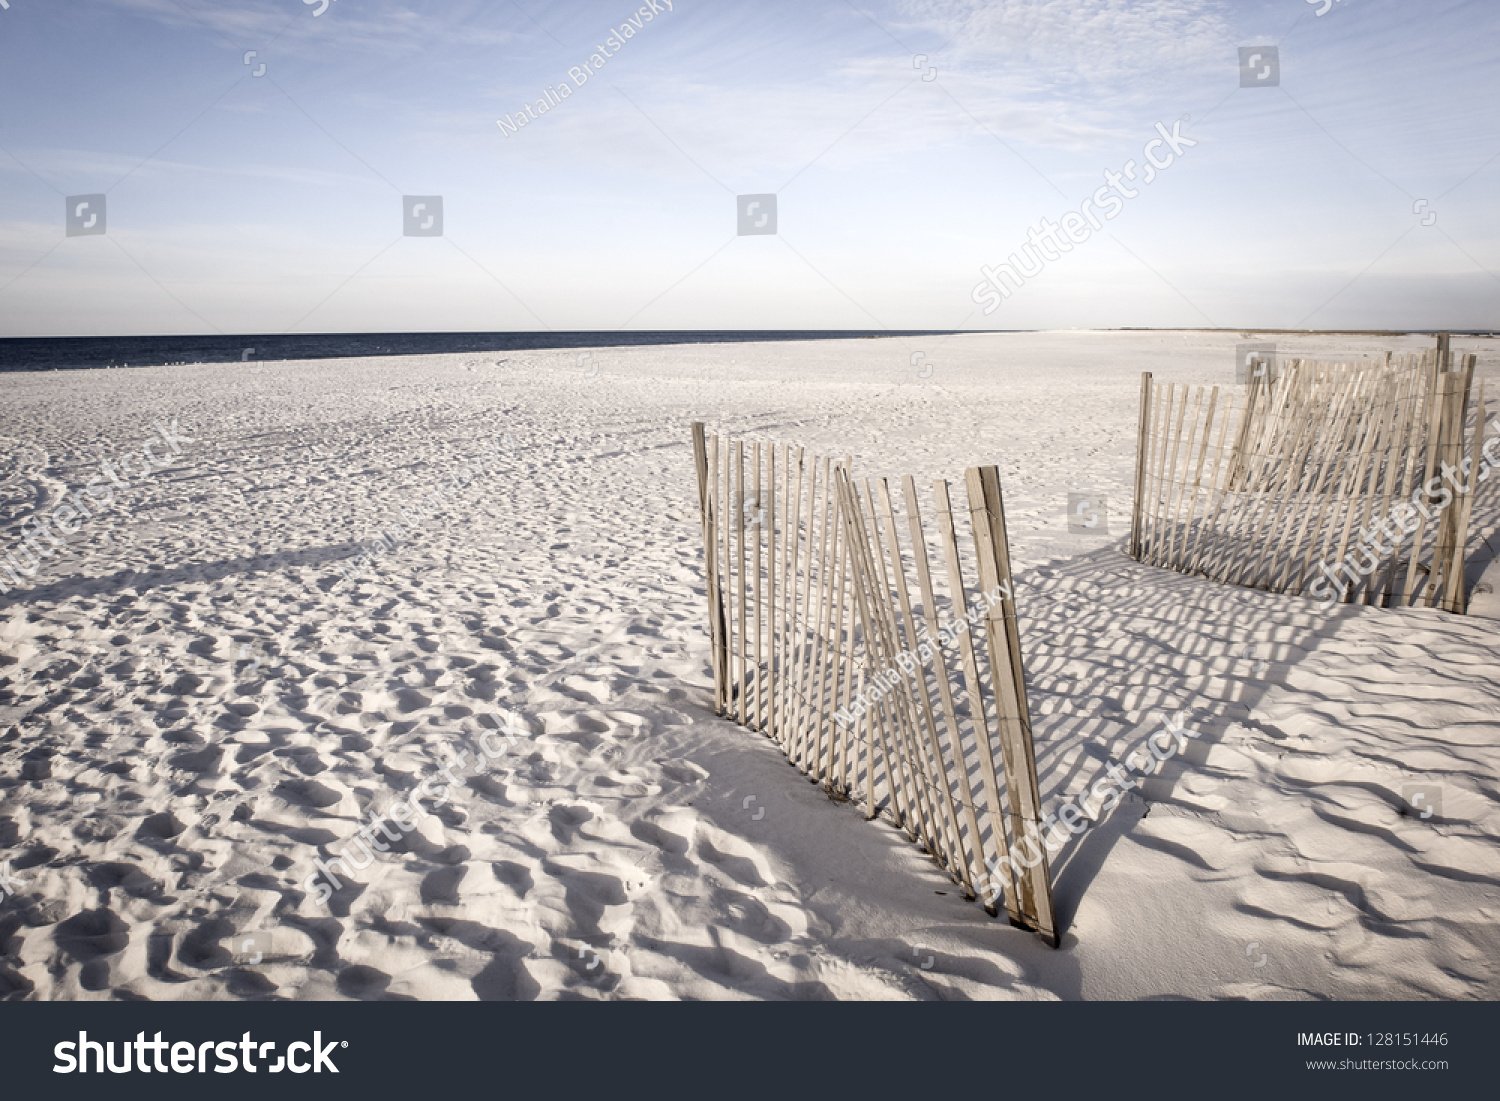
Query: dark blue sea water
(75, 353)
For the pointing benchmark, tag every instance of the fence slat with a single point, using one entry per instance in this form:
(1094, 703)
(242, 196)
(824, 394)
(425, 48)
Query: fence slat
(1330, 412)
(726, 540)
(1008, 676)
(741, 711)
(1449, 551)
(795, 617)
(902, 706)
(1284, 488)
(841, 647)
(973, 857)
(1141, 461)
(1436, 386)
(1208, 428)
(1457, 596)
(1296, 444)
(1396, 585)
(1353, 496)
(880, 650)
(1261, 468)
(1341, 435)
(791, 516)
(1164, 545)
(1202, 541)
(819, 614)
(1180, 474)
(935, 766)
(1153, 497)
(710, 556)
(863, 597)
(1395, 448)
(832, 563)
(768, 510)
(979, 719)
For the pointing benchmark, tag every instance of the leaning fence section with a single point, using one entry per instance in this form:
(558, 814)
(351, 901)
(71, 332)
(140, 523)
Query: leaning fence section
(843, 617)
(1343, 481)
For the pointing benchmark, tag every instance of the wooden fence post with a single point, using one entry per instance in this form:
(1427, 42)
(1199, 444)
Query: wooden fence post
(1142, 436)
(994, 809)
(1458, 594)
(741, 711)
(1008, 677)
(716, 627)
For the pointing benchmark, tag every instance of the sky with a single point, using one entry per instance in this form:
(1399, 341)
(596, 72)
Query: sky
(911, 145)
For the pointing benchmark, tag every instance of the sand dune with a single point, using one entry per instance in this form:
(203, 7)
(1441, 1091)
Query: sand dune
(195, 704)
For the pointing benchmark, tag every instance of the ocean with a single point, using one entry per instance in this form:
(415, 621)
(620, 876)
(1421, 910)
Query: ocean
(80, 353)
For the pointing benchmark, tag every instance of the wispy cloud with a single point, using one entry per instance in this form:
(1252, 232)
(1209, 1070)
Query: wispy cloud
(386, 28)
(1092, 47)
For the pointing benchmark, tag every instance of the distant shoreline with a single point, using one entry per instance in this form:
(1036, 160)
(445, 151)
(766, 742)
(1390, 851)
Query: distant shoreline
(93, 352)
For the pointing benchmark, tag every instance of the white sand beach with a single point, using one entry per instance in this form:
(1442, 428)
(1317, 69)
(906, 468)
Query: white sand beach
(195, 704)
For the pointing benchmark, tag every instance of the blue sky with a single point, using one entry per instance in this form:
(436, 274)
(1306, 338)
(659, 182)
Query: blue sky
(245, 204)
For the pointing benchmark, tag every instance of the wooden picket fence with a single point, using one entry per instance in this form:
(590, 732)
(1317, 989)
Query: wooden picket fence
(818, 643)
(1329, 481)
